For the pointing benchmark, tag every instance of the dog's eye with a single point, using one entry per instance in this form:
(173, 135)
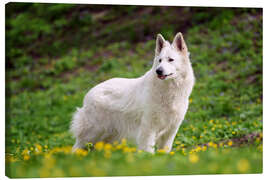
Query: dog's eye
(171, 60)
(159, 60)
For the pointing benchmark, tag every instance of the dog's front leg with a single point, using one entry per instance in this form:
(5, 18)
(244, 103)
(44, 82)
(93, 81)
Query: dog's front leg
(166, 140)
(146, 140)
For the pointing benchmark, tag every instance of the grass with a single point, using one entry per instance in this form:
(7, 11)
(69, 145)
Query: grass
(222, 131)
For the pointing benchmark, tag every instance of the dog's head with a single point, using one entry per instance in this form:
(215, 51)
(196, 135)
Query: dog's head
(170, 58)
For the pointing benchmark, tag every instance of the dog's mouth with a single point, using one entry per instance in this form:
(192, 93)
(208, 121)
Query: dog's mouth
(164, 76)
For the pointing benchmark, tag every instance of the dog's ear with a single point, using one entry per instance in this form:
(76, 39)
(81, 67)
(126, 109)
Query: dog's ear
(160, 43)
(179, 43)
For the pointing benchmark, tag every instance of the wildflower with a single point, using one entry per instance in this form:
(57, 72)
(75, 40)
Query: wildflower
(172, 153)
(211, 121)
(31, 148)
(38, 148)
(204, 148)
(10, 158)
(213, 129)
(99, 145)
(25, 152)
(115, 143)
(119, 146)
(107, 147)
(190, 100)
(26, 157)
(123, 141)
(230, 143)
(233, 132)
(177, 142)
(162, 151)
(133, 149)
(210, 144)
(193, 158)
(233, 123)
(46, 147)
(81, 152)
(126, 149)
(140, 151)
(243, 165)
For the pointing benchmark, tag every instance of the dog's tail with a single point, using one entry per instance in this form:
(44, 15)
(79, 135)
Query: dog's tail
(77, 122)
(78, 128)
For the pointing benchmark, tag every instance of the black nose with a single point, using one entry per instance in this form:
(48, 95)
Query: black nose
(159, 71)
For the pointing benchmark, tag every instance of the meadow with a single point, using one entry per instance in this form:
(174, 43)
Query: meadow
(56, 52)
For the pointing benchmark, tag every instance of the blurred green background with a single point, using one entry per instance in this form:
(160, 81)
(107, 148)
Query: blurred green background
(56, 52)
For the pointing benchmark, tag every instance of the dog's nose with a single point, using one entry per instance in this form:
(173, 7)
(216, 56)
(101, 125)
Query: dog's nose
(159, 71)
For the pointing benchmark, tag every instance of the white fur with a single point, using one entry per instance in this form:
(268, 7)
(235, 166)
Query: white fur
(145, 110)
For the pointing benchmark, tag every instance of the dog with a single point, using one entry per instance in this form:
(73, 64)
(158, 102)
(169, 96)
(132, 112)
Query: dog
(148, 110)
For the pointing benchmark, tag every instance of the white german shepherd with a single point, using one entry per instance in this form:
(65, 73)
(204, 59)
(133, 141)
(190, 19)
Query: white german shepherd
(147, 110)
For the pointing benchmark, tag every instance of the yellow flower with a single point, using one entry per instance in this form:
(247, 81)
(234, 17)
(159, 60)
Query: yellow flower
(243, 165)
(99, 145)
(140, 151)
(210, 144)
(107, 147)
(124, 141)
(212, 128)
(115, 143)
(199, 148)
(31, 148)
(171, 153)
(193, 158)
(26, 157)
(177, 142)
(81, 152)
(10, 158)
(162, 151)
(25, 152)
(233, 132)
(46, 147)
(211, 121)
(190, 100)
(126, 149)
(204, 148)
(230, 143)
(38, 148)
(119, 146)
(133, 149)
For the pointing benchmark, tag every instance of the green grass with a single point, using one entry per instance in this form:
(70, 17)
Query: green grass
(48, 72)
